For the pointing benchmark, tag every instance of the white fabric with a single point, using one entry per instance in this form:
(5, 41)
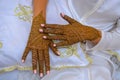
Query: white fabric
(15, 28)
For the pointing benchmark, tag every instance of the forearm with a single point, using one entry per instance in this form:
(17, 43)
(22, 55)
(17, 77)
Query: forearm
(39, 6)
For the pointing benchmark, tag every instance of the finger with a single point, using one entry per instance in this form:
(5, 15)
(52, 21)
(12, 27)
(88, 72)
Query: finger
(55, 26)
(53, 31)
(41, 62)
(67, 18)
(62, 43)
(55, 37)
(25, 54)
(54, 49)
(34, 60)
(47, 60)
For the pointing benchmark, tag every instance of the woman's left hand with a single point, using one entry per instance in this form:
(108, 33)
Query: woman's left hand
(71, 33)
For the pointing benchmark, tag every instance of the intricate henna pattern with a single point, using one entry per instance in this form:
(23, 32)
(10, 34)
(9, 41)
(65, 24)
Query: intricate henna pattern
(38, 46)
(72, 33)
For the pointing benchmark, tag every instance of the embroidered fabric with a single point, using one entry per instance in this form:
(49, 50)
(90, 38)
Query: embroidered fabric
(15, 25)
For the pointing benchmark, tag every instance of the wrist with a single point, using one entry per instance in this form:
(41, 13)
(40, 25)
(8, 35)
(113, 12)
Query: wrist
(39, 6)
(95, 41)
(42, 12)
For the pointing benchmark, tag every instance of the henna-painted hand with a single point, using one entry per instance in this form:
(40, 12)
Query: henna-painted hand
(39, 47)
(72, 33)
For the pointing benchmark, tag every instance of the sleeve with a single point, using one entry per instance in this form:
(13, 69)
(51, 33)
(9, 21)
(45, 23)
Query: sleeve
(109, 40)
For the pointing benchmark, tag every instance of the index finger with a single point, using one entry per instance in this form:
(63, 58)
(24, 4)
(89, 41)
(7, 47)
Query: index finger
(67, 18)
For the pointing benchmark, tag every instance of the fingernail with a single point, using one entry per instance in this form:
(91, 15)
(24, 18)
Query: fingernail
(54, 45)
(41, 74)
(35, 71)
(42, 25)
(58, 53)
(62, 14)
(48, 72)
(41, 30)
(44, 37)
(23, 61)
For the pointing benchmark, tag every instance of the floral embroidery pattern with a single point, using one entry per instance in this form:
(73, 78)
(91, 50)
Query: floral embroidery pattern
(23, 12)
(70, 51)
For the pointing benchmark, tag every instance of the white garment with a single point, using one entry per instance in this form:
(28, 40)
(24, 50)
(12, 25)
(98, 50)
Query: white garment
(15, 27)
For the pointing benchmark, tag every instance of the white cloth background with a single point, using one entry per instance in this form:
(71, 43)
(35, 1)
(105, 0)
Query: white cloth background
(14, 33)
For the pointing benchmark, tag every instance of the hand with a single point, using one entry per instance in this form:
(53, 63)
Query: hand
(72, 33)
(39, 47)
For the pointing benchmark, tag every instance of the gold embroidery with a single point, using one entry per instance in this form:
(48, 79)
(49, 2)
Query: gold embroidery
(66, 67)
(70, 51)
(86, 55)
(22, 68)
(15, 67)
(1, 44)
(24, 13)
(67, 51)
(114, 53)
(89, 59)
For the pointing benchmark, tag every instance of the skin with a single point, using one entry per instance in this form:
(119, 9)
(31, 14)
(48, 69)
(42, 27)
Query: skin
(53, 27)
(38, 6)
(36, 44)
